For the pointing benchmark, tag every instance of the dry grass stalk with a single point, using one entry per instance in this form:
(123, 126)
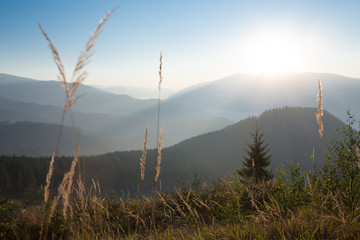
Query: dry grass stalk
(158, 158)
(67, 182)
(157, 173)
(77, 77)
(160, 72)
(65, 190)
(86, 53)
(143, 157)
(46, 192)
(48, 179)
(159, 86)
(320, 110)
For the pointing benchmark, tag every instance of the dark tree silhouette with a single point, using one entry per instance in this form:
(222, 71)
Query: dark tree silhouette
(257, 159)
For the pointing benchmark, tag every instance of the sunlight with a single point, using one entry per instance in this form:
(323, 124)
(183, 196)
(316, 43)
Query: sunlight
(273, 52)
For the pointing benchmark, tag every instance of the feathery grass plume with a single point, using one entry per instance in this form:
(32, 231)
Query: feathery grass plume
(143, 157)
(78, 76)
(86, 53)
(159, 98)
(158, 158)
(48, 179)
(159, 87)
(160, 72)
(320, 110)
(46, 189)
(143, 160)
(67, 182)
(64, 191)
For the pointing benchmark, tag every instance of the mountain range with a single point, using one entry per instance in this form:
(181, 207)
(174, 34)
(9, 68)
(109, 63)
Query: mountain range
(119, 121)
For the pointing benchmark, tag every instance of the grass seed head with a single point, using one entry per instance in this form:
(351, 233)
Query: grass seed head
(320, 112)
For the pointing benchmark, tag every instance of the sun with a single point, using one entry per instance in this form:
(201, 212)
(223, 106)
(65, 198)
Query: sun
(273, 52)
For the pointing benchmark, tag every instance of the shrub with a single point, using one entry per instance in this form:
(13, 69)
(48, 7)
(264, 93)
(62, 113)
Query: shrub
(340, 173)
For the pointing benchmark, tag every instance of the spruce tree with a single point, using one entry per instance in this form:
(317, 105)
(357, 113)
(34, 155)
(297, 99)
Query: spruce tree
(257, 159)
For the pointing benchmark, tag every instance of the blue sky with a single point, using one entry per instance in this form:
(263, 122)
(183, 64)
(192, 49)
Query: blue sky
(201, 40)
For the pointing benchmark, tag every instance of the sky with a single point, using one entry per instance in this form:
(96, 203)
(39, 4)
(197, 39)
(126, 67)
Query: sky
(202, 40)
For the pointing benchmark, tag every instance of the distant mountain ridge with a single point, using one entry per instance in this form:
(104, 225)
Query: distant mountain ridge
(136, 92)
(95, 101)
(118, 120)
(243, 95)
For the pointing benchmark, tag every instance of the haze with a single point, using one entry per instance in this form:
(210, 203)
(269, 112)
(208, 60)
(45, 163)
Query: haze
(200, 40)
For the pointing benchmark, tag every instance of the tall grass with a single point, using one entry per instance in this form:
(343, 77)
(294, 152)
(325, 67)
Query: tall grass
(320, 112)
(143, 161)
(78, 76)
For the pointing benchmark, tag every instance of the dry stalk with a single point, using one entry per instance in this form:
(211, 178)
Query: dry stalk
(160, 72)
(46, 189)
(158, 158)
(320, 110)
(190, 209)
(178, 207)
(66, 184)
(143, 157)
(165, 203)
(48, 179)
(199, 202)
(159, 87)
(157, 173)
(77, 77)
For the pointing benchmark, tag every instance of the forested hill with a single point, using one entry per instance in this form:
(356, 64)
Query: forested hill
(291, 132)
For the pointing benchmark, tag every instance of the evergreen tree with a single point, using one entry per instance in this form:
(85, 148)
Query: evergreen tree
(257, 160)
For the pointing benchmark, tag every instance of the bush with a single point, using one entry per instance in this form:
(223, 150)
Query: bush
(340, 173)
(291, 190)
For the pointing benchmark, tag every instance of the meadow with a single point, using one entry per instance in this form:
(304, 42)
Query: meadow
(323, 203)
